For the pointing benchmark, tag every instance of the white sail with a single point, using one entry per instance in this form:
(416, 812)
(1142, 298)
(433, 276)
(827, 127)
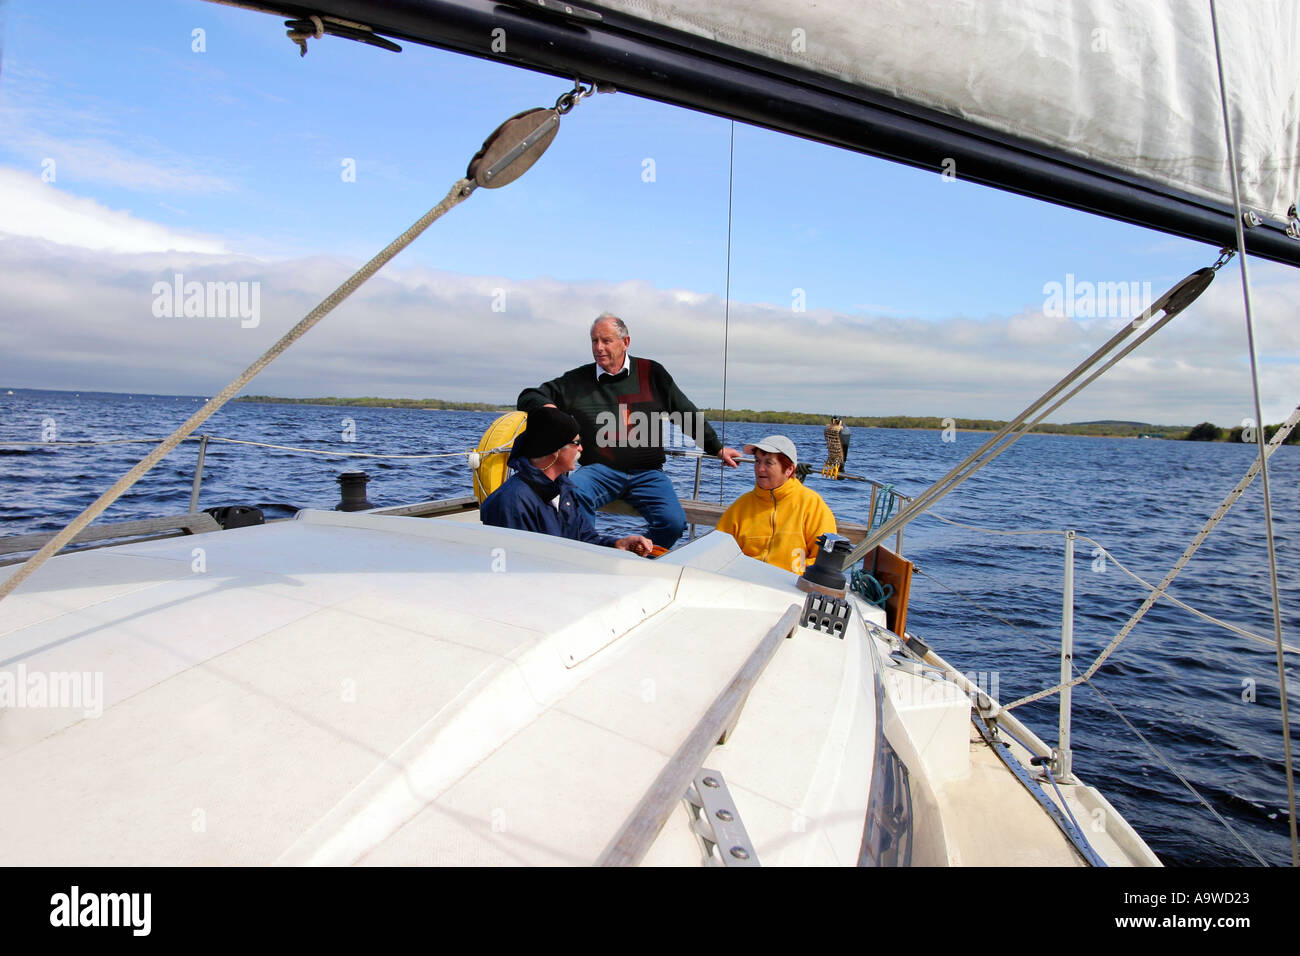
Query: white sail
(1132, 84)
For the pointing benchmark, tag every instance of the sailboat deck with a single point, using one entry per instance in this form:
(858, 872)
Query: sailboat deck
(356, 688)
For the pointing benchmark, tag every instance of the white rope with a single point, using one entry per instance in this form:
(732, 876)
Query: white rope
(1158, 591)
(1154, 589)
(259, 444)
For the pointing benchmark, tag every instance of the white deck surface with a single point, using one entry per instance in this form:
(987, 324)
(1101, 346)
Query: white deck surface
(348, 688)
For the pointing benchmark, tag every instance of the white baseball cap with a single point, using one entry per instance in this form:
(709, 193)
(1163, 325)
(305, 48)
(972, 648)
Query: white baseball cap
(775, 445)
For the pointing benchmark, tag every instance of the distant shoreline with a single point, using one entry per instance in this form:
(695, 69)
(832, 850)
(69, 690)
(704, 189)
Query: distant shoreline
(1205, 431)
(1105, 429)
(428, 404)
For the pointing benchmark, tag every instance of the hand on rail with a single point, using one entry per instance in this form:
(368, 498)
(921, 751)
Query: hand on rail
(730, 457)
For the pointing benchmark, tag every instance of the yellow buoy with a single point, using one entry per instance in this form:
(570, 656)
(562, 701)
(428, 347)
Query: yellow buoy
(493, 451)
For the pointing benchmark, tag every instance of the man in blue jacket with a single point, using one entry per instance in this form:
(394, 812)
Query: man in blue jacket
(539, 495)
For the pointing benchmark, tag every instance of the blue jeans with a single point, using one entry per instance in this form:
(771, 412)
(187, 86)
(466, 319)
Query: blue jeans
(649, 491)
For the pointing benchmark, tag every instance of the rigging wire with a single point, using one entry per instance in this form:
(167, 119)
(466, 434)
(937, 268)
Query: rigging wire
(726, 302)
(1171, 303)
(1259, 420)
(1051, 778)
(1158, 591)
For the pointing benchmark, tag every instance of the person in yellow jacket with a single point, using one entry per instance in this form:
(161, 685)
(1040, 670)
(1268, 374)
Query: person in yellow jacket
(780, 520)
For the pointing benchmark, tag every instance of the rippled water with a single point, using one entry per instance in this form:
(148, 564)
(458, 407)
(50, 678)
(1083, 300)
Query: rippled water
(1186, 685)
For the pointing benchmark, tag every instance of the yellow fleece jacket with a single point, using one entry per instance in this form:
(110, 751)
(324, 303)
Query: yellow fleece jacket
(780, 526)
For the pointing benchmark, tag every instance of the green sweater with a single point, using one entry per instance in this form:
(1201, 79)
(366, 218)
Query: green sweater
(623, 423)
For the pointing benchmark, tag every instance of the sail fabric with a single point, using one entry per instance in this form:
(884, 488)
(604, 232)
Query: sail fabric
(1130, 84)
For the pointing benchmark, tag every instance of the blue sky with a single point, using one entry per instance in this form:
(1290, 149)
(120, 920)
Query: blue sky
(922, 296)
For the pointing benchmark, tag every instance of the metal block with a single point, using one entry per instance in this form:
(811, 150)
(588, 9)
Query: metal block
(716, 822)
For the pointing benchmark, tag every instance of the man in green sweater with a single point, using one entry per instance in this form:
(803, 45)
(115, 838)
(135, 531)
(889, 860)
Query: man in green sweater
(623, 405)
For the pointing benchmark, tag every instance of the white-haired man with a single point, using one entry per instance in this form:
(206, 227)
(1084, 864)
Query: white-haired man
(622, 404)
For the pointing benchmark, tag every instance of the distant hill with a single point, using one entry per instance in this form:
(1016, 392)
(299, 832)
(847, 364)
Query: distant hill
(1112, 421)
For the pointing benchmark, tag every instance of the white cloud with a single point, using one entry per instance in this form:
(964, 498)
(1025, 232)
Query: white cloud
(75, 317)
(34, 209)
(99, 161)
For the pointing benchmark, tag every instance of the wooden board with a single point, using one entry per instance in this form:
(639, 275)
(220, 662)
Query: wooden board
(430, 509)
(889, 568)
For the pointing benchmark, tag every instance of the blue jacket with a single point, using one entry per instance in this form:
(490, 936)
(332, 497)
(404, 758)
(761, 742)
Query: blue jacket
(524, 502)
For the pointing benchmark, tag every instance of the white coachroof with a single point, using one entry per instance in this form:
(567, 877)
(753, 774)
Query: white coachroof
(1129, 83)
(366, 689)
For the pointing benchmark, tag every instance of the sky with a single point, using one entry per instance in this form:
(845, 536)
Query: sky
(189, 139)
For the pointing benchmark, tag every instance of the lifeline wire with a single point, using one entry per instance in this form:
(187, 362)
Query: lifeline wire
(259, 444)
(1060, 797)
(1146, 584)
(337, 454)
(1159, 592)
(1259, 420)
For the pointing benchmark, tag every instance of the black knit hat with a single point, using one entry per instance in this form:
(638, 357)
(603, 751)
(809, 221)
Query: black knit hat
(549, 430)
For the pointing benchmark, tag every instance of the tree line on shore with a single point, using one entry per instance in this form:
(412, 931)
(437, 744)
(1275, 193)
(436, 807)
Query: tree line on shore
(1205, 431)
(1208, 431)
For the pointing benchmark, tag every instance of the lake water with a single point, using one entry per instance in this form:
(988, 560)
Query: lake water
(1206, 699)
